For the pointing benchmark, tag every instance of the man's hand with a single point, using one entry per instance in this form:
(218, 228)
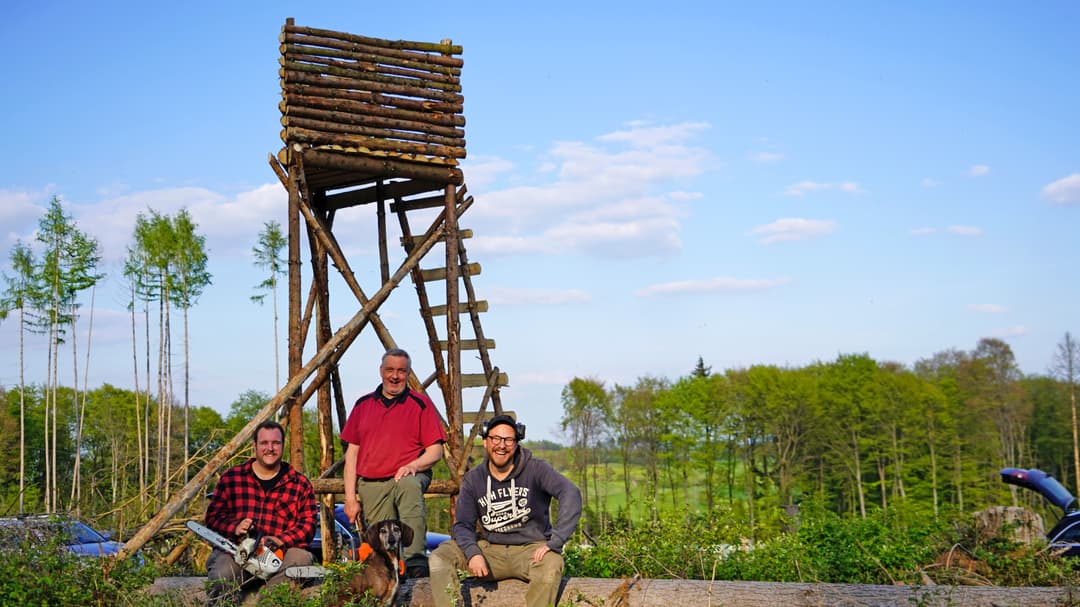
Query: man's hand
(271, 542)
(478, 566)
(244, 526)
(540, 552)
(406, 470)
(352, 508)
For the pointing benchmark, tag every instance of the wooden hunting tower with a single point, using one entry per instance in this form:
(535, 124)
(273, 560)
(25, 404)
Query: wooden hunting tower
(378, 124)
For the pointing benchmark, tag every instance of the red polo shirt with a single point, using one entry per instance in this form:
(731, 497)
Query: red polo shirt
(391, 433)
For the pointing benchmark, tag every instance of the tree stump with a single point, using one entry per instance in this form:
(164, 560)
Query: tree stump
(1017, 524)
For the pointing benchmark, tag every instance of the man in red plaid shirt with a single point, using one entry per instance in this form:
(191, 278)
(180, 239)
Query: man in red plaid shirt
(264, 497)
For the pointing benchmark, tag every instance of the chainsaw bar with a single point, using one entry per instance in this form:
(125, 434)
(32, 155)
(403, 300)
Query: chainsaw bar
(213, 537)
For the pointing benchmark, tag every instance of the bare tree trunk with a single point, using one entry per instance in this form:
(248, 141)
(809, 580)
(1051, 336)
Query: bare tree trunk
(22, 410)
(159, 466)
(932, 442)
(74, 408)
(76, 478)
(858, 475)
(144, 472)
(187, 396)
(168, 399)
(138, 411)
(277, 344)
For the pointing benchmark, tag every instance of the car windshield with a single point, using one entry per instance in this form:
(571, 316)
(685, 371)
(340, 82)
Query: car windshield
(81, 534)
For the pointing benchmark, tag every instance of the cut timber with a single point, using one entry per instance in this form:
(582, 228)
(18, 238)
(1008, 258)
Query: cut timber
(413, 240)
(472, 417)
(473, 269)
(463, 308)
(371, 194)
(479, 380)
(700, 593)
(469, 344)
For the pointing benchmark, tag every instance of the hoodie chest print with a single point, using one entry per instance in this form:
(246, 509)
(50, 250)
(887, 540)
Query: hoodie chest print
(504, 508)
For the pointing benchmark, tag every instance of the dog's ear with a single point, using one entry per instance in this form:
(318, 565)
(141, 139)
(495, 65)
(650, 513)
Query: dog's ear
(406, 534)
(371, 536)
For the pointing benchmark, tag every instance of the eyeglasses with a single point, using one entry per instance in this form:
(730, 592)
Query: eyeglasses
(504, 440)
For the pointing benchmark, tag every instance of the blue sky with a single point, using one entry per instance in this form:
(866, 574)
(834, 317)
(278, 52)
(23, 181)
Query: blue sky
(779, 183)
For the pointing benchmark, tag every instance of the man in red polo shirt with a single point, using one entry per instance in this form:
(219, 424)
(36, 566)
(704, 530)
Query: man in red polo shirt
(395, 436)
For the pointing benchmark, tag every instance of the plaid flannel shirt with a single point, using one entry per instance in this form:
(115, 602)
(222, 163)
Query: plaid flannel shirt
(286, 512)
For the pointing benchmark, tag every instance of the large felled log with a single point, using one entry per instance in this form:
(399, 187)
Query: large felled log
(701, 593)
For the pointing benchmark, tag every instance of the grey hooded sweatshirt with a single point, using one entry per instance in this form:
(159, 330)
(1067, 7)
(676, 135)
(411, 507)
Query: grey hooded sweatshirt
(517, 510)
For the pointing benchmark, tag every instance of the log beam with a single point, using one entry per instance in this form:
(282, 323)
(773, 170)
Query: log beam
(701, 593)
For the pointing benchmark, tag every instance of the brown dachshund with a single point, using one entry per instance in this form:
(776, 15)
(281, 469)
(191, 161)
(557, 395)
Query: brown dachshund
(381, 573)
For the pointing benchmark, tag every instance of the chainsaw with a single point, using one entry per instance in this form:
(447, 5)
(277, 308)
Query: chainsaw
(256, 559)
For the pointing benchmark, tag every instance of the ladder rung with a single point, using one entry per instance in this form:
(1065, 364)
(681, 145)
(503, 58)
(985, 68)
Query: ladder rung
(463, 308)
(479, 380)
(470, 344)
(472, 417)
(473, 269)
(415, 240)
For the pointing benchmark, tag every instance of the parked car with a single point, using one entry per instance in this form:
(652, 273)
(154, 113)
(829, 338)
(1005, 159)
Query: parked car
(79, 537)
(1064, 536)
(348, 537)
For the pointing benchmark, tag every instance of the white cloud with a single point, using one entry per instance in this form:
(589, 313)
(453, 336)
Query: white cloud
(20, 212)
(615, 198)
(544, 297)
(978, 170)
(642, 135)
(922, 231)
(682, 196)
(766, 157)
(1064, 191)
(988, 308)
(792, 228)
(230, 223)
(961, 230)
(804, 187)
(720, 284)
(484, 170)
(930, 183)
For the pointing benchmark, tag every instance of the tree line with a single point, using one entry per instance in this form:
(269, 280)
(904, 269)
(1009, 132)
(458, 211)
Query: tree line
(854, 433)
(64, 438)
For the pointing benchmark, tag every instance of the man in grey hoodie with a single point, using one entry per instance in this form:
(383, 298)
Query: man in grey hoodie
(508, 497)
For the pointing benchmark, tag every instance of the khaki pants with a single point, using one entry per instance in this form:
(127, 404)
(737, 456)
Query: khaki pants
(229, 582)
(504, 562)
(402, 500)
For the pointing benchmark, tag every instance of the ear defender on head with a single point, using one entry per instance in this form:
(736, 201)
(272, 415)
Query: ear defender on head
(499, 420)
